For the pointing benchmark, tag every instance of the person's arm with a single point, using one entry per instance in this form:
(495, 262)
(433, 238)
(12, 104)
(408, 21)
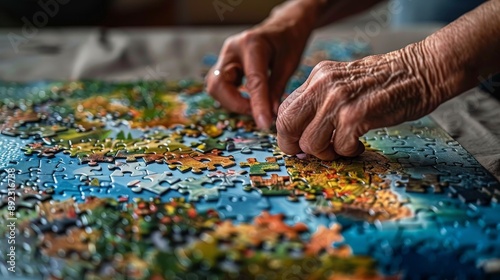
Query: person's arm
(274, 46)
(340, 101)
(465, 50)
(327, 11)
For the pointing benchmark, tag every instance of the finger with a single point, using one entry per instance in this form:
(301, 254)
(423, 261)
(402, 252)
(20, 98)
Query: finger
(346, 140)
(255, 64)
(280, 75)
(293, 120)
(316, 139)
(223, 83)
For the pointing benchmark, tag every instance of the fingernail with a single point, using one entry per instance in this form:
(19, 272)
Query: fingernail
(301, 156)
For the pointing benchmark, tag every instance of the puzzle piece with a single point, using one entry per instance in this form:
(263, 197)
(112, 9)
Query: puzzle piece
(95, 157)
(240, 143)
(133, 168)
(41, 150)
(229, 177)
(184, 163)
(88, 171)
(276, 185)
(260, 168)
(155, 183)
(214, 159)
(209, 144)
(196, 189)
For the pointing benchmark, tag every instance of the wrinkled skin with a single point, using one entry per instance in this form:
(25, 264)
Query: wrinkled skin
(341, 101)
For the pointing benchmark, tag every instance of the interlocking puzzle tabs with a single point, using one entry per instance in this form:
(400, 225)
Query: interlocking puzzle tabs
(152, 180)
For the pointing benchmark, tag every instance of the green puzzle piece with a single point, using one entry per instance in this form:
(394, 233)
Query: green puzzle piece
(260, 168)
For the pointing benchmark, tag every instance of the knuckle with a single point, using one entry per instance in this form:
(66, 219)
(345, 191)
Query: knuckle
(249, 37)
(350, 118)
(255, 81)
(336, 96)
(312, 147)
(282, 108)
(323, 66)
(229, 42)
(305, 147)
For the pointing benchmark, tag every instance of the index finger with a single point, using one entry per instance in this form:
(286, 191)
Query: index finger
(256, 65)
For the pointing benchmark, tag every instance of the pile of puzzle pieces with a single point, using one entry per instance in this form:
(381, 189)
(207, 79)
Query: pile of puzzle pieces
(152, 180)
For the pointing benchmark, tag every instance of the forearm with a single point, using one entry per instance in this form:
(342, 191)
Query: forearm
(464, 51)
(318, 13)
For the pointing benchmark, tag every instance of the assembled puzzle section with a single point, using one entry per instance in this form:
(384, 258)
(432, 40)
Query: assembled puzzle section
(152, 180)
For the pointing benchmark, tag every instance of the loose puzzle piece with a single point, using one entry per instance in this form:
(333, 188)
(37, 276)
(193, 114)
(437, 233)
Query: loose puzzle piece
(133, 168)
(260, 168)
(209, 144)
(241, 143)
(185, 162)
(88, 171)
(196, 189)
(277, 185)
(197, 162)
(214, 158)
(229, 178)
(96, 157)
(155, 183)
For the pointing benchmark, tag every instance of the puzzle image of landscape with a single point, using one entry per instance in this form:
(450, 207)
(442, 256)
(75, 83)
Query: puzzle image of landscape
(152, 180)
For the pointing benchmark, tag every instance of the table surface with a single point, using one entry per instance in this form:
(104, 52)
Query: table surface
(472, 118)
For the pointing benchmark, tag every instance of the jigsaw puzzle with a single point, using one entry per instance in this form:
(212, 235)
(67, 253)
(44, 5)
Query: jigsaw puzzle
(152, 180)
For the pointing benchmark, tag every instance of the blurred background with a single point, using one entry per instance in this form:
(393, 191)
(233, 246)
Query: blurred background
(148, 13)
(121, 13)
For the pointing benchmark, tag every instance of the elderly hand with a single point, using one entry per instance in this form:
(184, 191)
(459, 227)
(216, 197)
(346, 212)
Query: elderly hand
(267, 55)
(341, 101)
